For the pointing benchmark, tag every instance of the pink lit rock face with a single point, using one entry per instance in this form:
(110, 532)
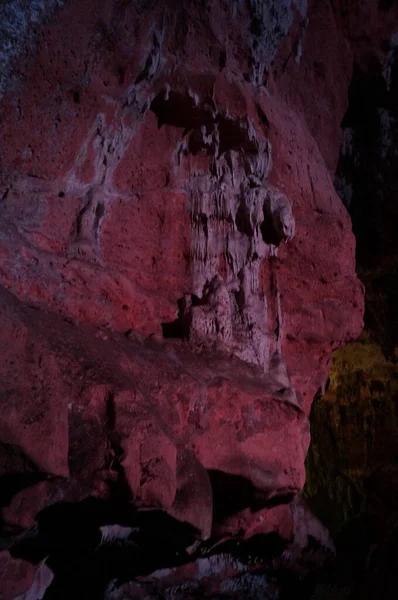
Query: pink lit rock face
(176, 267)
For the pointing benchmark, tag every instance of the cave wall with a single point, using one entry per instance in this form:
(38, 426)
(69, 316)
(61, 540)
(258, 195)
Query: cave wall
(107, 110)
(176, 270)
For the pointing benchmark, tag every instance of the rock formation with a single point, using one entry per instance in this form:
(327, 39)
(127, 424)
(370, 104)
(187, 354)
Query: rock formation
(176, 269)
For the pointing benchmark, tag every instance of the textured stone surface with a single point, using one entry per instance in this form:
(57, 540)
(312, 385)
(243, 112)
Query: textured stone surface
(16, 576)
(176, 270)
(248, 573)
(150, 398)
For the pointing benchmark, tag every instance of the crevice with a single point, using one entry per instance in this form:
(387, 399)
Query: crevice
(234, 493)
(86, 206)
(152, 62)
(242, 219)
(180, 327)
(5, 194)
(99, 213)
(110, 412)
(268, 231)
(263, 118)
(222, 60)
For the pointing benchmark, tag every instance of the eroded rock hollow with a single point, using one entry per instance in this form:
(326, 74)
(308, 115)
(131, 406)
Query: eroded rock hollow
(176, 269)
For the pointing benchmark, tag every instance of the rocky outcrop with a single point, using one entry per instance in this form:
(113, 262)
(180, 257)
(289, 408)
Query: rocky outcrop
(176, 269)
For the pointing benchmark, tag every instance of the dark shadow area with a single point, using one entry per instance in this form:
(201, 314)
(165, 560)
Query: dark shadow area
(180, 110)
(175, 330)
(242, 219)
(367, 182)
(269, 233)
(180, 327)
(11, 484)
(260, 548)
(18, 472)
(83, 564)
(387, 4)
(233, 493)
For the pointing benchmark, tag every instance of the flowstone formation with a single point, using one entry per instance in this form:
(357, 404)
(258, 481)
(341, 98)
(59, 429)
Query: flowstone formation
(176, 269)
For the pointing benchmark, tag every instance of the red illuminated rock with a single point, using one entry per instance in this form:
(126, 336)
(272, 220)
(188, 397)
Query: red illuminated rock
(176, 265)
(16, 576)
